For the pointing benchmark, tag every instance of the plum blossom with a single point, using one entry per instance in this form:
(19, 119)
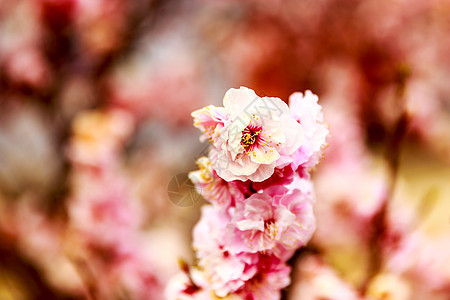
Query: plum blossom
(249, 134)
(188, 285)
(191, 284)
(215, 189)
(308, 113)
(257, 179)
(272, 222)
(273, 276)
(226, 271)
(226, 194)
(280, 177)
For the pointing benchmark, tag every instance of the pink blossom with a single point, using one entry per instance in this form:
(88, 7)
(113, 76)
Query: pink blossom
(306, 111)
(285, 180)
(262, 201)
(191, 286)
(227, 272)
(280, 176)
(225, 194)
(215, 189)
(249, 134)
(211, 120)
(273, 276)
(272, 222)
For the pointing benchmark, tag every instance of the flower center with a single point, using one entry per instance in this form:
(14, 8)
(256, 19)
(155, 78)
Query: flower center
(271, 228)
(250, 137)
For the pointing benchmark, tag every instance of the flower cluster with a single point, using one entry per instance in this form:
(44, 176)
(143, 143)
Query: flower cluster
(256, 177)
(102, 198)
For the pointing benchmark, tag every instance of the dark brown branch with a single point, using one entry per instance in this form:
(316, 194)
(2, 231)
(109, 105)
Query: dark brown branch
(380, 232)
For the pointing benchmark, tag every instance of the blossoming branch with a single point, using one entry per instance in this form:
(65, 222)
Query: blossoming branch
(257, 179)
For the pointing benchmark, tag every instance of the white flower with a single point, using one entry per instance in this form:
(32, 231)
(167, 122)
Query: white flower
(249, 134)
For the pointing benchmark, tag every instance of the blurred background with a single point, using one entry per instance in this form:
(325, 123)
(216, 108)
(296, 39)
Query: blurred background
(95, 103)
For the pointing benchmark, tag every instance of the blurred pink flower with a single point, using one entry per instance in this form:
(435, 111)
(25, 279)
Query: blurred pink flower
(100, 25)
(27, 66)
(101, 199)
(98, 137)
(103, 202)
(163, 81)
(351, 184)
(424, 259)
(317, 280)
(188, 286)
